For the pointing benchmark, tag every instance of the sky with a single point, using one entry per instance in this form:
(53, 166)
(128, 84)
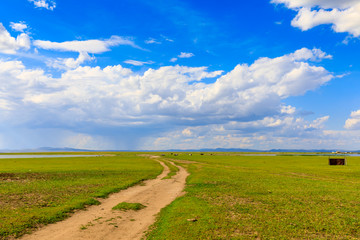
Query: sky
(180, 74)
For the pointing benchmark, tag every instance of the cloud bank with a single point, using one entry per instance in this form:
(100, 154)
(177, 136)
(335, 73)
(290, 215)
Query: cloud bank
(115, 98)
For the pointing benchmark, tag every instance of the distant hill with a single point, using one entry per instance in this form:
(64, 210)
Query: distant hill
(214, 150)
(254, 150)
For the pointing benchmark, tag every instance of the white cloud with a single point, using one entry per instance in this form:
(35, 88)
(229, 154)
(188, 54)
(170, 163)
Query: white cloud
(152, 41)
(267, 133)
(69, 63)
(319, 123)
(344, 16)
(254, 90)
(49, 5)
(84, 141)
(182, 55)
(354, 121)
(167, 39)
(17, 83)
(138, 63)
(187, 132)
(9, 44)
(19, 27)
(82, 47)
(88, 46)
(185, 55)
(170, 97)
(314, 55)
(288, 109)
(326, 4)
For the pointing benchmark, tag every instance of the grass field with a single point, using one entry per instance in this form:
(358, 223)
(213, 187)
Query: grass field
(228, 196)
(250, 197)
(44, 190)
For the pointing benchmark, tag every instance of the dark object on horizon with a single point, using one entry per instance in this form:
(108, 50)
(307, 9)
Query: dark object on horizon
(337, 161)
(201, 154)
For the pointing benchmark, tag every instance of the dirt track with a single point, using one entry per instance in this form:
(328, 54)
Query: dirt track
(101, 222)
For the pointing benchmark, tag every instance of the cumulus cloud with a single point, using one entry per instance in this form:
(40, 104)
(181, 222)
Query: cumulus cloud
(267, 133)
(9, 44)
(288, 109)
(354, 121)
(17, 83)
(19, 27)
(170, 97)
(306, 54)
(69, 63)
(49, 5)
(247, 91)
(344, 16)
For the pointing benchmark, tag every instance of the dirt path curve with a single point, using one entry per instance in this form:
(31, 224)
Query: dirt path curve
(101, 222)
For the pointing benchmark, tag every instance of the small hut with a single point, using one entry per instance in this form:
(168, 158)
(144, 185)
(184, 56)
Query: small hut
(337, 161)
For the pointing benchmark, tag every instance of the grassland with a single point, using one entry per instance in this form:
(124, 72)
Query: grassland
(228, 196)
(262, 197)
(38, 191)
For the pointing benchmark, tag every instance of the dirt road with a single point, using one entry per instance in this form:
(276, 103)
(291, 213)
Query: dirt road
(101, 222)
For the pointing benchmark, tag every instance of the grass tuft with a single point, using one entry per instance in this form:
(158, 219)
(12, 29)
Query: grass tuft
(124, 206)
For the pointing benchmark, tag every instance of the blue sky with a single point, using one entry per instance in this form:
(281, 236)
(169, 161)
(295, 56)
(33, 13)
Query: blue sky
(184, 74)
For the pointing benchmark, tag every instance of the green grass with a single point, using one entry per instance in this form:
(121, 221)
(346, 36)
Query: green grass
(38, 191)
(249, 197)
(124, 206)
(173, 169)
